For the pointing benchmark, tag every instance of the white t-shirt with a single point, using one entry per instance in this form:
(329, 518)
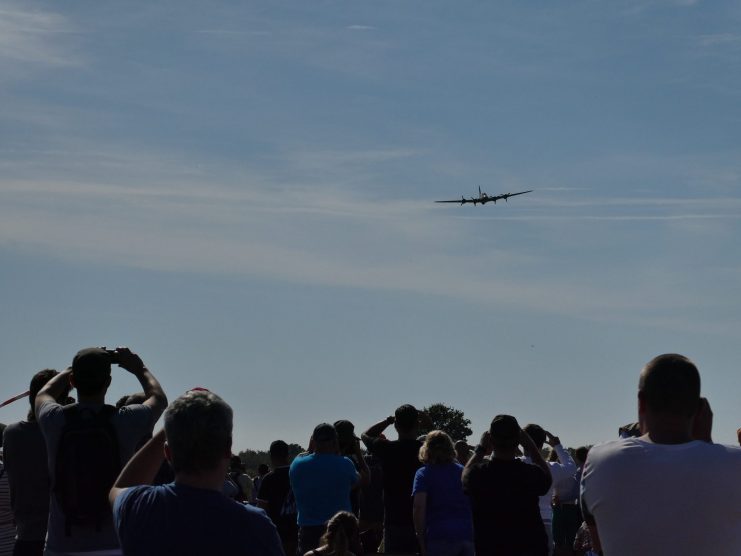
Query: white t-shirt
(561, 470)
(678, 499)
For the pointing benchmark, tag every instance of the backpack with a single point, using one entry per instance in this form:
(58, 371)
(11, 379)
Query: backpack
(88, 463)
(288, 509)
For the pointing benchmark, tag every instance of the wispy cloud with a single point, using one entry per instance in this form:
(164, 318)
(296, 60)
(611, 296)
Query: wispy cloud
(35, 37)
(719, 39)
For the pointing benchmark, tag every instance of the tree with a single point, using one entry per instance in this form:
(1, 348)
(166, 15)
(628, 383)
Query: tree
(253, 458)
(449, 420)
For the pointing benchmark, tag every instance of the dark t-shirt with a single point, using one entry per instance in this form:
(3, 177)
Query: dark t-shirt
(399, 463)
(274, 489)
(506, 515)
(182, 520)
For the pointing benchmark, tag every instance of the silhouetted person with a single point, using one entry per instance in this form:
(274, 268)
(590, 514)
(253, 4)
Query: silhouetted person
(670, 491)
(321, 481)
(399, 462)
(27, 469)
(273, 497)
(505, 492)
(441, 511)
(190, 516)
(562, 469)
(87, 444)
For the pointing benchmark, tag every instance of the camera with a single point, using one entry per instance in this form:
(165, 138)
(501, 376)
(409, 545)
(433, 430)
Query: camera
(113, 355)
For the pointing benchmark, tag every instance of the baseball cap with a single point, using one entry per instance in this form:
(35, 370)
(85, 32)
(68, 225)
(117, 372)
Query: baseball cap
(91, 363)
(345, 431)
(324, 432)
(504, 427)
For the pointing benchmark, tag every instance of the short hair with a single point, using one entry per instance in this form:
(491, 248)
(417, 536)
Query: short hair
(406, 417)
(670, 384)
(437, 448)
(91, 369)
(580, 454)
(263, 469)
(198, 426)
(236, 463)
(278, 449)
(536, 432)
(504, 431)
(38, 381)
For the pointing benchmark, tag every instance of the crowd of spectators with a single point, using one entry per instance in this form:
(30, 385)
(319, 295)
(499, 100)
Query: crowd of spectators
(85, 478)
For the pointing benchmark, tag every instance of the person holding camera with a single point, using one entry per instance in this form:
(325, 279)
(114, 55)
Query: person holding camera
(505, 491)
(88, 443)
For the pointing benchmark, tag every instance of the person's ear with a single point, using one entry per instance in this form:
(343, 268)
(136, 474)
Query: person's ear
(641, 403)
(168, 453)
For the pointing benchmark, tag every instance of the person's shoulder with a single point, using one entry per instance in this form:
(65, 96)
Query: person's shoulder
(133, 412)
(19, 428)
(251, 515)
(140, 494)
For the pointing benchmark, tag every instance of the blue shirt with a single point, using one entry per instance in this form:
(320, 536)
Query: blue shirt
(184, 520)
(321, 485)
(448, 515)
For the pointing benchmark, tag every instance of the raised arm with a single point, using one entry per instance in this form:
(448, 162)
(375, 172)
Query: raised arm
(364, 471)
(156, 398)
(532, 451)
(54, 389)
(483, 449)
(567, 464)
(377, 430)
(142, 468)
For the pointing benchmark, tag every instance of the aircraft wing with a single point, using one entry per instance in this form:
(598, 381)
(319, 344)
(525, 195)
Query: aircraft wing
(506, 195)
(462, 201)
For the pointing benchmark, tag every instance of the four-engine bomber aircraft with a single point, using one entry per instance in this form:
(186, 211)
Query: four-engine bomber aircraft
(483, 198)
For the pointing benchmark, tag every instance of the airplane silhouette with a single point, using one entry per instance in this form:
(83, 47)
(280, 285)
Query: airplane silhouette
(483, 198)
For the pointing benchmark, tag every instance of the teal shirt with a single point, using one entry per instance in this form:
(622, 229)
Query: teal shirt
(321, 485)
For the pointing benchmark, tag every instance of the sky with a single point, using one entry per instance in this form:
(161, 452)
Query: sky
(243, 193)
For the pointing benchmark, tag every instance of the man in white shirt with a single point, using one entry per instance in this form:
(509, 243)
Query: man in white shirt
(670, 491)
(561, 471)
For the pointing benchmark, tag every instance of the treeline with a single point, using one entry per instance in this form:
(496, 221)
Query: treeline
(254, 458)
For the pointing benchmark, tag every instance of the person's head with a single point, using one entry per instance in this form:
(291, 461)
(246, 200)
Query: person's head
(537, 433)
(669, 387)
(131, 399)
(346, 436)
(91, 371)
(462, 451)
(198, 427)
(580, 455)
(236, 464)
(437, 448)
(406, 419)
(342, 531)
(263, 469)
(325, 439)
(38, 381)
(505, 433)
(278, 453)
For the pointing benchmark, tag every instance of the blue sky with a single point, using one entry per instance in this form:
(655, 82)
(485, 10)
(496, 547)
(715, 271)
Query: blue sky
(243, 193)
